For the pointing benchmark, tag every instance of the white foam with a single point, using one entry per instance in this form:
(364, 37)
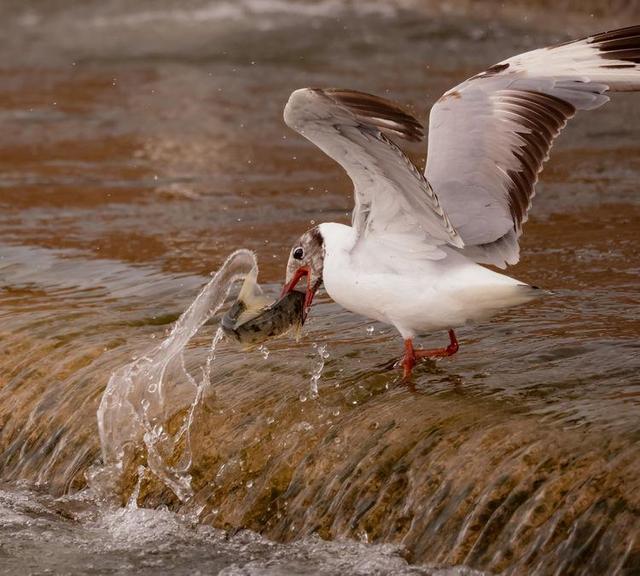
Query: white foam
(261, 12)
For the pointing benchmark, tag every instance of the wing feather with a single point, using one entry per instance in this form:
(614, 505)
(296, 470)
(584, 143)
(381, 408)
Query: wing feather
(490, 136)
(391, 195)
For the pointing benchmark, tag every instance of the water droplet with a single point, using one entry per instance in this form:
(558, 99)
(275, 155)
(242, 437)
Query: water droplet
(317, 371)
(264, 351)
(249, 484)
(370, 330)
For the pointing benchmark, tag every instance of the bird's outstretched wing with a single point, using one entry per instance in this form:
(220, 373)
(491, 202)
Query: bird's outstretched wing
(391, 195)
(490, 135)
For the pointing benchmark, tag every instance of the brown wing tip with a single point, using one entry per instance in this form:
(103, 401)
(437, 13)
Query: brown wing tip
(618, 34)
(542, 117)
(492, 70)
(622, 44)
(376, 111)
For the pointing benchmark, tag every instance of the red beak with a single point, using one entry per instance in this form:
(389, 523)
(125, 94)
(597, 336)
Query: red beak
(310, 293)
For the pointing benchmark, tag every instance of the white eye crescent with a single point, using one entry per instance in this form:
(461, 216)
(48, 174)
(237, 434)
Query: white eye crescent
(298, 253)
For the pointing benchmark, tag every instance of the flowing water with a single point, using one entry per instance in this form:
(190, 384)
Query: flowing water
(141, 145)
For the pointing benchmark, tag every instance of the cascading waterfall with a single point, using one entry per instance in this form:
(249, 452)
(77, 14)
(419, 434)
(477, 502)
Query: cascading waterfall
(142, 396)
(460, 471)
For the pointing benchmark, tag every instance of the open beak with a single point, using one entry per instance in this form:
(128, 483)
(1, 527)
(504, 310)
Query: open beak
(310, 292)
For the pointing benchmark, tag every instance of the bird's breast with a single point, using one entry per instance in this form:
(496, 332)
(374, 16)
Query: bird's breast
(373, 293)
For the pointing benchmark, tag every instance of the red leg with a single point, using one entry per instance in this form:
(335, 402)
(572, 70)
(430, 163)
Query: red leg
(409, 358)
(441, 352)
(411, 355)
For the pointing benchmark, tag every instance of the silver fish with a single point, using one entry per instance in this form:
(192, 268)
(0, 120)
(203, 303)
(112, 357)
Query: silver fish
(252, 320)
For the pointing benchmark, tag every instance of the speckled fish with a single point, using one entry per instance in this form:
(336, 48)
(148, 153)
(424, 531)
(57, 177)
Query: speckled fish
(253, 319)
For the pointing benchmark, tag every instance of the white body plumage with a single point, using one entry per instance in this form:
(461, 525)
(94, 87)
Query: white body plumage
(414, 294)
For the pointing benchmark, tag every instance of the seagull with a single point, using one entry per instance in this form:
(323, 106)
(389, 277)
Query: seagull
(414, 256)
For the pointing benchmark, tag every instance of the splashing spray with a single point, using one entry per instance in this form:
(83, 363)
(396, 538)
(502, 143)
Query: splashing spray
(323, 355)
(144, 395)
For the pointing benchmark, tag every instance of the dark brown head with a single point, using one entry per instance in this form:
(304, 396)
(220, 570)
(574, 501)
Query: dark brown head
(306, 261)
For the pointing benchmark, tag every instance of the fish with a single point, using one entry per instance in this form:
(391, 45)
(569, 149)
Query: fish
(253, 318)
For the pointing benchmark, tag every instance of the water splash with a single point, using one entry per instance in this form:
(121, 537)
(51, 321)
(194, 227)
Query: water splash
(132, 503)
(323, 355)
(143, 397)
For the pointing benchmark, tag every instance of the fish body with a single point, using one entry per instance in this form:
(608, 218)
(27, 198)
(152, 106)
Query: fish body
(252, 319)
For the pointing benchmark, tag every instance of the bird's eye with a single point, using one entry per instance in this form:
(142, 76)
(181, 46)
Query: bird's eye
(298, 253)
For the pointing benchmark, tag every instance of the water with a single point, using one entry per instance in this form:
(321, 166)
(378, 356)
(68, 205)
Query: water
(140, 148)
(142, 396)
(316, 374)
(41, 535)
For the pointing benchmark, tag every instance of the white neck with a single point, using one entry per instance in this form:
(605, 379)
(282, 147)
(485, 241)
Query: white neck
(338, 238)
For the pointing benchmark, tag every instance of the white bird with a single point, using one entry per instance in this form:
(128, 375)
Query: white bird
(413, 255)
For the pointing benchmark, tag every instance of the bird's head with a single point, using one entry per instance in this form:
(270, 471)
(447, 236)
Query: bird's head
(306, 262)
